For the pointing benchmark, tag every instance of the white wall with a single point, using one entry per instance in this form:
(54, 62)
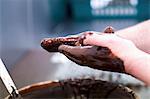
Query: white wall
(21, 22)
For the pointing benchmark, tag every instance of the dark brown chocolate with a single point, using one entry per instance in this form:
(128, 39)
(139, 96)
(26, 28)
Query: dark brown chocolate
(91, 89)
(80, 89)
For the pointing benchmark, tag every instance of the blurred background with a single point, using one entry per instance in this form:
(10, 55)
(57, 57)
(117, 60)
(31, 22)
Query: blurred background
(23, 23)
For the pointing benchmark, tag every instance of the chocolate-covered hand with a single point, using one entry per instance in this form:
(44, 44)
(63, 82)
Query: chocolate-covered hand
(85, 54)
(93, 56)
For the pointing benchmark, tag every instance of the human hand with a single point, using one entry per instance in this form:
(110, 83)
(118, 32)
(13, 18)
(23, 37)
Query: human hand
(136, 62)
(120, 53)
(117, 54)
(95, 56)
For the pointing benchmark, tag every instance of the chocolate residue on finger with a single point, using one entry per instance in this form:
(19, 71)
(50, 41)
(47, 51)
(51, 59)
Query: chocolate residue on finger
(82, 38)
(109, 29)
(52, 44)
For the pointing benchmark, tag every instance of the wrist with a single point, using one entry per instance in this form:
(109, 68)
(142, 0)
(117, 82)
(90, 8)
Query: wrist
(134, 59)
(139, 67)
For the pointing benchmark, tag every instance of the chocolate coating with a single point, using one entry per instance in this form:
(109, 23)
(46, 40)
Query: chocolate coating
(52, 44)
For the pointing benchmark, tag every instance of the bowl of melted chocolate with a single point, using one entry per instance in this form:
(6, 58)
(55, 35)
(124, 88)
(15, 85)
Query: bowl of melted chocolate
(77, 89)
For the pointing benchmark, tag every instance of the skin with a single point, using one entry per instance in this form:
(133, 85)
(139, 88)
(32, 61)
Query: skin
(130, 44)
(139, 34)
(136, 62)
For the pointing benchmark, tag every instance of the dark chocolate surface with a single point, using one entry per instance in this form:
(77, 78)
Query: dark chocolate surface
(83, 89)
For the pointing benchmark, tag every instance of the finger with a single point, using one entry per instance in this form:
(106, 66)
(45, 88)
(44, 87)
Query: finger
(80, 34)
(105, 40)
(75, 50)
(76, 54)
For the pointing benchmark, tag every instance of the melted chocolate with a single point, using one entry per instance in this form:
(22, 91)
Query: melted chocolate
(52, 44)
(88, 88)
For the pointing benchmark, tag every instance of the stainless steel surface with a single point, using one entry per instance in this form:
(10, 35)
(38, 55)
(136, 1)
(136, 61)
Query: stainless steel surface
(7, 80)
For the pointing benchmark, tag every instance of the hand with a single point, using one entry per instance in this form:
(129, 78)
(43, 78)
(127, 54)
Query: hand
(135, 61)
(122, 48)
(117, 54)
(100, 57)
